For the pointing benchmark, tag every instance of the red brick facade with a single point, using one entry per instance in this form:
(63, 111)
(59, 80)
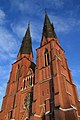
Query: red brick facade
(44, 91)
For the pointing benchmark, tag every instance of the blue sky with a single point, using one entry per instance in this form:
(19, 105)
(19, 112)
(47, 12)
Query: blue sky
(14, 18)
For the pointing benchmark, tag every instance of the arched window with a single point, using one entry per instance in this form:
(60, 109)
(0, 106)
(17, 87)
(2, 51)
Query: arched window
(46, 54)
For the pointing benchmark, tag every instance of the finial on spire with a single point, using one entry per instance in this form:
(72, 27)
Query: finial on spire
(29, 24)
(28, 30)
(45, 11)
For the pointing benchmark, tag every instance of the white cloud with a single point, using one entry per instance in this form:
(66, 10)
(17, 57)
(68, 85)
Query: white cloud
(65, 24)
(2, 16)
(61, 24)
(7, 40)
(33, 6)
(8, 48)
(20, 29)
(23, 6)
(8, 43)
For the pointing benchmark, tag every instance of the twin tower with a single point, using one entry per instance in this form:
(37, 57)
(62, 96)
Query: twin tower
(41, 91)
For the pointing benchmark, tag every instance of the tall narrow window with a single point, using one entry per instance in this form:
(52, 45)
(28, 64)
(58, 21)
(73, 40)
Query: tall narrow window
(24, 83)
(46, 54)
(30, 80)
(10, 114)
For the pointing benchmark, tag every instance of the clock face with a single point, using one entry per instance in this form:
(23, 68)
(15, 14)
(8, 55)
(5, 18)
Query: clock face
(27, 101)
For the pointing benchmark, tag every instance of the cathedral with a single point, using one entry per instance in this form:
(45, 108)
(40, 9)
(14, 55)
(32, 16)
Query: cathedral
(41, 91)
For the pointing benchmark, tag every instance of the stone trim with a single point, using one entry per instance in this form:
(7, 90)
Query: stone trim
(12, 119)
(56, 56)
(74, 107)
(37, 116)
(63, 74)
(42, 105)
(47, 98)
(68, 109)
(45, 80)
(78, 116)
(68, 93)
(47, 112)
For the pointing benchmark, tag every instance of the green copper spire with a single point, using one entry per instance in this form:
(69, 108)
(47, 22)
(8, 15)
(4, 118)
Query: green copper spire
(48, 29)
(26, 46)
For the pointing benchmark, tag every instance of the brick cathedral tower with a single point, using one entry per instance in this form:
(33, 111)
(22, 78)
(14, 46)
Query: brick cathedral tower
(56, 96)
(20, 86)
(44, 91)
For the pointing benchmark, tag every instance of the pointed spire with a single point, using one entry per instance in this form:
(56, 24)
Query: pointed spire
(26, 46)
(48, 29)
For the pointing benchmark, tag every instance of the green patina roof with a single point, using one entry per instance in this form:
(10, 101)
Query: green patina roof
(48, 29)
(26, 46)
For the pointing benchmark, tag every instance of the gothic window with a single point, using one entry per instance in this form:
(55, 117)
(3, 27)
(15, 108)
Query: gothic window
(30, 81)
(46, 54)
(27, 101)
(24, 83)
